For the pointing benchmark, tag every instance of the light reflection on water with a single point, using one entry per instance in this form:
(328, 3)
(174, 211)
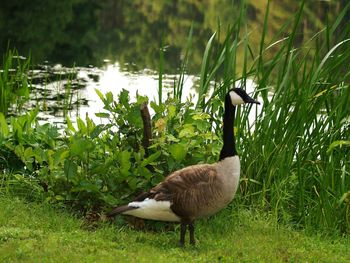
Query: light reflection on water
(145, 83)
(57, 88)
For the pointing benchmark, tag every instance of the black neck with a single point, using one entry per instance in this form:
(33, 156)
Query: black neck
(229, 147)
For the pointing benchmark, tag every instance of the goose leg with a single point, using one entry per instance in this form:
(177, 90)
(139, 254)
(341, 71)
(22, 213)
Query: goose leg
(192, 239)
(182, 234)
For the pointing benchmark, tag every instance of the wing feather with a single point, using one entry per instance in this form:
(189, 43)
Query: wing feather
(192, 191)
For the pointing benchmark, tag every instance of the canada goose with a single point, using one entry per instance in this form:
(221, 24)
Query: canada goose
(198, 190)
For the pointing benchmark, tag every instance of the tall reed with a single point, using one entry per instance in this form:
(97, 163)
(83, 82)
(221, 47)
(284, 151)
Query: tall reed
(287, 168)
(14, 84)
(289, 164)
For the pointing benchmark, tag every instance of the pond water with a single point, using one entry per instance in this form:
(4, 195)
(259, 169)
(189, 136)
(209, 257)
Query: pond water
(59, 90)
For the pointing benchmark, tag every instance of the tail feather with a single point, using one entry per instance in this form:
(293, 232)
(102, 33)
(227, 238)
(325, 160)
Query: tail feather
(119, 210)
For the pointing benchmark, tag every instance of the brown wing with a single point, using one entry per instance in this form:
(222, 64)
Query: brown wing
(193, 191)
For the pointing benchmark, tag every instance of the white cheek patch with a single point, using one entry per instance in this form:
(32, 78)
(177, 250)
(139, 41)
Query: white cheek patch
(236, 99)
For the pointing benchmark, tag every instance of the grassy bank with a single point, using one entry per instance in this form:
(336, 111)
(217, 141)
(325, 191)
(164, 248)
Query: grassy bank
(38, 233)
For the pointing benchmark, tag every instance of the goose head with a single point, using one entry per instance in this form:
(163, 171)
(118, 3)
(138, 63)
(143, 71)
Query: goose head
(238, 96)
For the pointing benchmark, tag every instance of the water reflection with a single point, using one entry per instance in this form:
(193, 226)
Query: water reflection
(60, 91)
(57, 91)
(113, 79)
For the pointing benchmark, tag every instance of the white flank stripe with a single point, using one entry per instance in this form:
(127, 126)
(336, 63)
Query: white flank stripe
(154, 210)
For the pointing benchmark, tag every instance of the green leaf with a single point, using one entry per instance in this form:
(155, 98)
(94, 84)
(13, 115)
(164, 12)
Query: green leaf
(187, 131)
(145, 173)
(50, 158)
(19, 150)
(80, 146)
(102, 115)
(28, 152)
(59, 198)
(70, 169)
(39, 155)
(89, 124)
(81, 125)
(157, 108)
(201, 116)
(134, 117)
(60, 155)
(177, 151)
(201, 120)
(201, 125)
(96, 131)
(70, 125)
(124, 98)
(99, 93)
(125, 164)
(109, 97)
(172, 138)
(150, 159)
(141, 99)
(18, 130)
(171, 111)
(132, 182)
(109, 199)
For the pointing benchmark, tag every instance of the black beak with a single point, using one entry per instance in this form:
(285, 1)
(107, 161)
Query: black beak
(251, 100)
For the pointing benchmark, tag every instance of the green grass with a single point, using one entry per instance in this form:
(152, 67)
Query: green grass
(38, 233)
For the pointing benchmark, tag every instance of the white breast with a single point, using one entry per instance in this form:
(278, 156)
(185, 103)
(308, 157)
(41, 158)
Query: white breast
(229, 170)
(154, 210)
